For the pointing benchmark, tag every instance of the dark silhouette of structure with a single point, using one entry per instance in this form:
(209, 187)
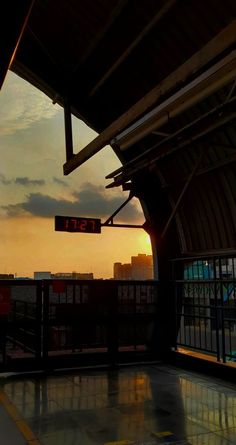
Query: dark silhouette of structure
(170, 120)
(157, 80)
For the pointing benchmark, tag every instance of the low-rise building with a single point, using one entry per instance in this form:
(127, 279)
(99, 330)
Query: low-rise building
(6, 276)
(44, 275)
(72, 276)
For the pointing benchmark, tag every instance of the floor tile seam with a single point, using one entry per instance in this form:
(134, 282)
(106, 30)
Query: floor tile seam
(231, 441)
(18, 420)
(29, 417)
(229, 429)
(215, 430)
(215, 388)
(190, 437)
(201, 434)
(202, 378)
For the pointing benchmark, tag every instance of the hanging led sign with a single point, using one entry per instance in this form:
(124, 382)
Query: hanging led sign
(77, 224)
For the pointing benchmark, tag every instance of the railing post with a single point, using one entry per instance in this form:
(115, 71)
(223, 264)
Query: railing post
(218, 351)
(38, 329)
(177, 273)
(113, 335)
(3, 337)
(45, 322)
(221, 309)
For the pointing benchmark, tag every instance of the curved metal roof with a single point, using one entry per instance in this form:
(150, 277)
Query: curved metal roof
(157, 80)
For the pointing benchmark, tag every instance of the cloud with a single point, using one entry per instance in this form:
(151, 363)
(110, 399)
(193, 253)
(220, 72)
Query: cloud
(3, 179)
(90, 201)
(28, 182)
(60, 181)
(22, 105)
(21, 181)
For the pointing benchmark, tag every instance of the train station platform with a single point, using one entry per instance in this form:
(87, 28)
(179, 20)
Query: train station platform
(131, 405)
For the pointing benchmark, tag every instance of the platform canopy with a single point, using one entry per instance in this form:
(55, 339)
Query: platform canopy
(157, 80)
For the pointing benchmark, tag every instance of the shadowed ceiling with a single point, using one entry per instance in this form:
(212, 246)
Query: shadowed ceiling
(156, 79)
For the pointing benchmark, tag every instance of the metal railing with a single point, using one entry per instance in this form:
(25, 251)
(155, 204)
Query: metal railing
(61, 321)
(20, 319)
(205, 299)
(66, 322)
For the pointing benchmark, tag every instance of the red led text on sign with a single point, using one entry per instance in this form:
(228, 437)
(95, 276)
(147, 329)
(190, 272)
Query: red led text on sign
(77, 224)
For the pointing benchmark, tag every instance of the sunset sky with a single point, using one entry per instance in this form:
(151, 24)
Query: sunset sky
(33, 190)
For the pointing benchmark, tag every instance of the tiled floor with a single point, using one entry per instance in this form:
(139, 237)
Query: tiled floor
(136, 405)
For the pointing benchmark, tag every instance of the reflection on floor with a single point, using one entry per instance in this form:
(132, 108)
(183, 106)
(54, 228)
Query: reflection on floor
(136, 405)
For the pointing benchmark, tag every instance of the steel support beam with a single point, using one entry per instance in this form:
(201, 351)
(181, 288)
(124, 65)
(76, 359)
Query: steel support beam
(105, 29)
(203, 171)
(146, 158)
(203, 86)
(212, 49)
(124, 177)
(109, 222)
(165, 8)
(181, 196)
(68, 130)
(110, 219)
(126, 226)
(14, 17)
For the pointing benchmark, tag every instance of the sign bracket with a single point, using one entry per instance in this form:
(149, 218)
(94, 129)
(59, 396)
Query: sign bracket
(92, 225)
(110, 221)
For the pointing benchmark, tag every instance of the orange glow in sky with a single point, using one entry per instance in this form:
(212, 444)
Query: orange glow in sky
(33, 190)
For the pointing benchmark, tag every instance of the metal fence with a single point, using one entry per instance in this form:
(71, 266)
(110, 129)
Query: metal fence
(63, 323)
(20, 320)
(205, 298)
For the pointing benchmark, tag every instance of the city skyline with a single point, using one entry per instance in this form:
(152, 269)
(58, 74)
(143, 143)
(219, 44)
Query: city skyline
(33, 190)
(46, 274)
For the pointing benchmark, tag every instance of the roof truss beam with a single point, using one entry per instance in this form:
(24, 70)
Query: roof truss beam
(202, 171)
(182, 194)
(147, 160)
(165, 8)
(212, 49)
(95, 43)
(203, 86)
(14, 17)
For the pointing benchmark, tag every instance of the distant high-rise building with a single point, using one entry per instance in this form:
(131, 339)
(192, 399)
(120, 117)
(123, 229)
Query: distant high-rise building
(127, 271)
(122, 271)
(142, 267)
(117, 268)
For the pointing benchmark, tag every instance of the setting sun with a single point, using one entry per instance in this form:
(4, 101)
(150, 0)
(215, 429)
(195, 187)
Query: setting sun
(35, 191)
(145, 243)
